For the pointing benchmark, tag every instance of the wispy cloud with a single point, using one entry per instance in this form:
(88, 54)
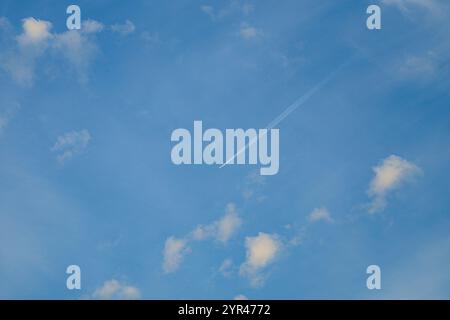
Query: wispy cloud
(124, 29)
(233, 8)
(248, 32)
(92, 26)
(70, 144)
(226, 268)
(209, 10)
(406, 6)
(116, 290)
(174, 251)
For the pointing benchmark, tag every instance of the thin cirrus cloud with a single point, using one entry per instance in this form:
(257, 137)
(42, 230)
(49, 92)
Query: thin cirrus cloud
(390, 174)
(407, 5)
(234, 7)
(221, 230)
(226, 268)
(71, 144)
(116, 290)
(248, 32)
(261, 251)
(124, 29)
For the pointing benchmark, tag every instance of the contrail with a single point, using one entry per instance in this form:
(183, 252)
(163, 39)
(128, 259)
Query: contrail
(294, 106)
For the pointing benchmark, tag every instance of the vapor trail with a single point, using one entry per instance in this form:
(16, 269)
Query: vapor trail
(294, 106)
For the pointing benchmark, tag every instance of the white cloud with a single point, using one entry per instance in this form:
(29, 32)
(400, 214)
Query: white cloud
(228, 225)
(174, 251)
(91, 26)
(249, 32)
(203, 232)
(234, 7)
(240, 297)
(31, 44)
(262, 250)
(115, 290)
(320, 214)
(71, 144)
(34, 31)
(223, 229)
(124, 29)
(78, 49)
(389, 174)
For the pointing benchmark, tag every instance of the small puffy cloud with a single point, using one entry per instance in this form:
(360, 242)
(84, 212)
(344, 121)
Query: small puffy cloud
(174, 251)
(320, 214)
(249, 32)
(71, 144)
(203, 232)
(261, 251)
(223, 229)
(391, 173)
(240, 297)
(30, 45)
(34, 31)
(124, 29)
(91, 26)
(36, 41)
(115, 290)
(228, 225)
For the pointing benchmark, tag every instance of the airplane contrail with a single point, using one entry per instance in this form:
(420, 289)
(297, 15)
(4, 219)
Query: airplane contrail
(294, 106)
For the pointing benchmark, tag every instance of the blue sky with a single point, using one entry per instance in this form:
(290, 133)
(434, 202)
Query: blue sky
(86, 176)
